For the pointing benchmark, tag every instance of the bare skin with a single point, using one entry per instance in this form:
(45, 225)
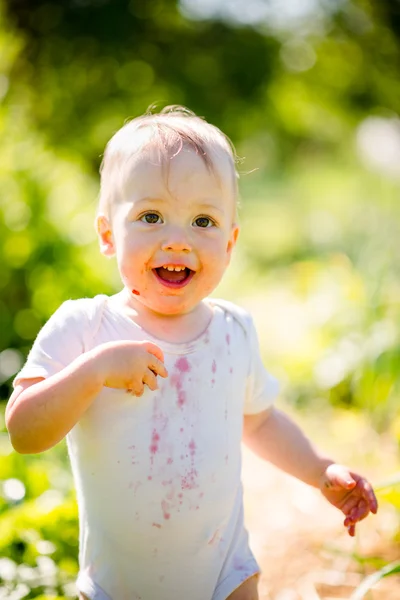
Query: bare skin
(248, 590)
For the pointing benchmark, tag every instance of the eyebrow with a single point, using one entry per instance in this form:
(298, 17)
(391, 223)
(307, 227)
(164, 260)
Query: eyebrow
(200, 204)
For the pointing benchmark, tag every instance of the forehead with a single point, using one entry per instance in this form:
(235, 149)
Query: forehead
(180, 173)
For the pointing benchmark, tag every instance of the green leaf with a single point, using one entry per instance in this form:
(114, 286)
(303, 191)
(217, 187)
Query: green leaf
(368, 583)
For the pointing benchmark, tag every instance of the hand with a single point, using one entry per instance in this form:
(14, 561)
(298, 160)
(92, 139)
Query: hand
(350, 493)
(130, 365)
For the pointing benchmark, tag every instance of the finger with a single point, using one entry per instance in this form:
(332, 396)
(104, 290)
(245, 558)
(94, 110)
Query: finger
(155, 350)
(362, 492)
(351, 529)
(366, 491)
(356, 519)
(358, 513)
(338, 478)
(370, 497)
(138, 390)
(157, 366)
(150, 380)
(350, 503)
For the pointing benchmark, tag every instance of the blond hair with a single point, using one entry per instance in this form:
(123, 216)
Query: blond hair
(168, 132)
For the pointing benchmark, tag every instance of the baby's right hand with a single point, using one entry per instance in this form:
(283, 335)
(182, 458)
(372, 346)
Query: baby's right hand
(130, 365)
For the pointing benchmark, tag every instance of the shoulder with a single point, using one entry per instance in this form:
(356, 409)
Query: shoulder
(241, 316)
(84, 306)
(78, 314)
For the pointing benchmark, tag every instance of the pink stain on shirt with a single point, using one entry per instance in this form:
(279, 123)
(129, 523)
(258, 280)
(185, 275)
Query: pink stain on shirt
(181, 398)
(228, 339)
(192, 447)
(214, 366)
(165, 508)
(188, 482)
(176, 380)
(182, 364)
(155, 438)
(159, 418)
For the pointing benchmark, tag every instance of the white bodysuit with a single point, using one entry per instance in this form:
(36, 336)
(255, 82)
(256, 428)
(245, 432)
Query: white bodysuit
(158, 476)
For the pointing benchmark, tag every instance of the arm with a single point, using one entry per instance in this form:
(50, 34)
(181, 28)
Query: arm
(274, 437)
(41, 412)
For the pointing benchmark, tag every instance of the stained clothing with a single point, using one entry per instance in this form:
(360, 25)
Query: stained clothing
(158, 476)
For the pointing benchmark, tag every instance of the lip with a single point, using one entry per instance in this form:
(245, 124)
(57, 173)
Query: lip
(171, 284)
(172, 264)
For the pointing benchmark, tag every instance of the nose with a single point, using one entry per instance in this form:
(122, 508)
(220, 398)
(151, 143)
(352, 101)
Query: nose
(176, 240)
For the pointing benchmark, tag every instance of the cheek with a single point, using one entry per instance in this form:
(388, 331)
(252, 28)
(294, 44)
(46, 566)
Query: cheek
(131, 261)
(214, 245)
(132, 249)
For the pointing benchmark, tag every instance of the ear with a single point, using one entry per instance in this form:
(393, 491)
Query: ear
(232, 240)
(104, 232)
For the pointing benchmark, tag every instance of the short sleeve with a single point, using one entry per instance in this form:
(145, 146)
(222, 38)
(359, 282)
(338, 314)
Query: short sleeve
(262, 387)
(59, 342)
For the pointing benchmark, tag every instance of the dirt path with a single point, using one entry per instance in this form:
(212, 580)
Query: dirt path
(300, 542)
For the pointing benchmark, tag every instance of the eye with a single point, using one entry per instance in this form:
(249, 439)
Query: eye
(203, 222)
(151, 218)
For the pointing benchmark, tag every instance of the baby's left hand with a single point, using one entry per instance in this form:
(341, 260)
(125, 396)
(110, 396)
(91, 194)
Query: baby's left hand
(350, 493)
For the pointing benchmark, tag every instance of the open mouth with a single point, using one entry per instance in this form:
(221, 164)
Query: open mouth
(174, 276)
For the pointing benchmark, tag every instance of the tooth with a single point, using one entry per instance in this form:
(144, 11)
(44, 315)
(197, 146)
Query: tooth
(170, 268)
(178, 268)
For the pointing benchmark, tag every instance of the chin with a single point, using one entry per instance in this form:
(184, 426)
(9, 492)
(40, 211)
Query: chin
(172, 306)
(173, 311)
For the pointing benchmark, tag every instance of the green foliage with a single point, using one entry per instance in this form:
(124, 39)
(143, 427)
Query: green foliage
(368, 583)
(38, 525)
(389, 492)
(320, 219)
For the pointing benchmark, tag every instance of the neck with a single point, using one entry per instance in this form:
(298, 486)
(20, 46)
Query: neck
(179, 328)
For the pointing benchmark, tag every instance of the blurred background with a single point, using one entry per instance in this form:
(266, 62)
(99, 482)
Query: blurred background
(309, 92)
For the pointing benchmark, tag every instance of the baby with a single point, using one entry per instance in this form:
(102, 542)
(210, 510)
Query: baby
(156, 386)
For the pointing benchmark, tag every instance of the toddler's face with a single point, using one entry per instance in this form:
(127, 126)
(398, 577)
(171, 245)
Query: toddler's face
(173, 231)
